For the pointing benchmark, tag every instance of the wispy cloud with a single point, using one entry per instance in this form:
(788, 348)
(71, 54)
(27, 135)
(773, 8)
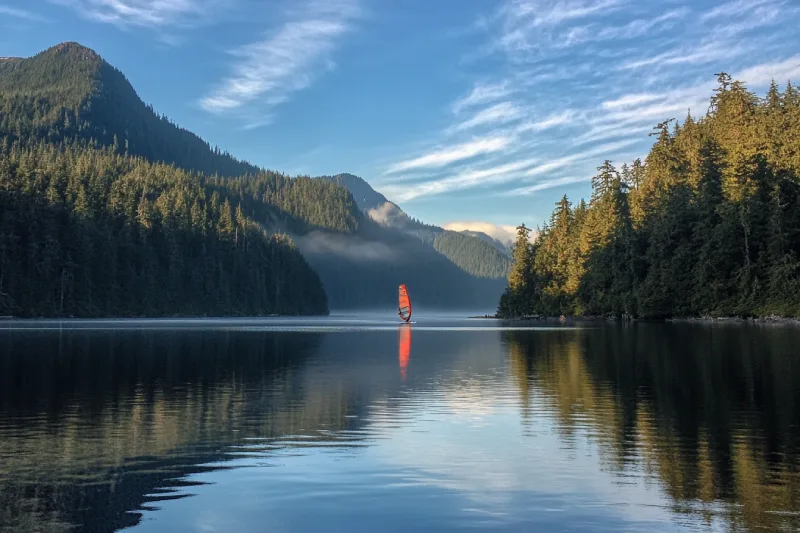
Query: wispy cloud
(569, 161)
(737, 8)
(482, 93)
(515, 171)
(631, 100)
(549, 184)
(732, 19)
(781, 71)
(503, 233)
(459, 181)
(267, 72)
(536, 13)
(614, 130)
(144, 13)
(551, 121)
(707, 53)
(630, 30)
(524, 23)
(21, 14)
(501, 113)
(451, 154)
(561, 162)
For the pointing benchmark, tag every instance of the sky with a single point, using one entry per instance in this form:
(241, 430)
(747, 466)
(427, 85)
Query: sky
(466, 113)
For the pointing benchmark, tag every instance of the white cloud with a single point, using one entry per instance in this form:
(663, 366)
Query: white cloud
(655, 113)
(462, 180)
(445, 156)
(603, 132)
(631, 100)
(739, 16)
(583, 156)
(707, 53)
(630, 30)
(524, 23)
(482, 93)
(20, 13)
(536, 13)
(737, 8)
(556, 119)
(549, 184)
(501, 113)
(761, 75)
(520, 170)
(266, 72)
(503, 233)
(147, 13)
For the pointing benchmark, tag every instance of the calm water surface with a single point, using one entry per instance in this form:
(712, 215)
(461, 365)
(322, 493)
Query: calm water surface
(360, 425)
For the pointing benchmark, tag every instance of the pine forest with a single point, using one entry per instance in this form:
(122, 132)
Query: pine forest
(708, 225)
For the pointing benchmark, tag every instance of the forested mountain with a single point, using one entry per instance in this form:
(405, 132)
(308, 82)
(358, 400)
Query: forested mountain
(87, 232)
(472, 254)
(475, 255)
(68, 92)
(94, 225)
(709, 224)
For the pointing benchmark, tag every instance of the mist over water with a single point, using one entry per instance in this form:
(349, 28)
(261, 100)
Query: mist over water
(357, 423)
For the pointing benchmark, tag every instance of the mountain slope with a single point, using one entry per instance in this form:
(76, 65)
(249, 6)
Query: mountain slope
(477, 255)
(69, 93)
(501, 246)
(365, 196)
(472, 254)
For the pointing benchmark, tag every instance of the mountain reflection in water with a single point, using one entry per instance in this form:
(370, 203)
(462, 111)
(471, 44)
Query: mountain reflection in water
(644, 427)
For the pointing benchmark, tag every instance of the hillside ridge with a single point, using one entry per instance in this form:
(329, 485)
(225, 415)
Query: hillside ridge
(69, 93)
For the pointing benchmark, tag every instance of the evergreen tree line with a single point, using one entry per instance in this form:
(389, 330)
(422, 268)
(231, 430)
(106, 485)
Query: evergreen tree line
(94, 233)
(708, 225)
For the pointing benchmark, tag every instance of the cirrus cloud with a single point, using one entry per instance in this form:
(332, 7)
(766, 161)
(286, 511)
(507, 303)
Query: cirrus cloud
(265, 73)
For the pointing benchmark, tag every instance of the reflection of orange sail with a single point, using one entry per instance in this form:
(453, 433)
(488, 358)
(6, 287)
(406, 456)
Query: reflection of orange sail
(404, 305)
(404, 349)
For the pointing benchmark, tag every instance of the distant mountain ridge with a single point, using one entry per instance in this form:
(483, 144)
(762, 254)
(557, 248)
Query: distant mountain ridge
(474, 252)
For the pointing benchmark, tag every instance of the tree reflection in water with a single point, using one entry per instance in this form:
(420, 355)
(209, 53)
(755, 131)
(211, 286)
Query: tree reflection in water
(710, 412)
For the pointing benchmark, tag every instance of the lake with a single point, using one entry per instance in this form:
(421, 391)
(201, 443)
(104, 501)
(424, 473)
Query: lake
(358, 424)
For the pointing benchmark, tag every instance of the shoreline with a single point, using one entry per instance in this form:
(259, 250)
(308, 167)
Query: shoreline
(771, 319)
(9, 318)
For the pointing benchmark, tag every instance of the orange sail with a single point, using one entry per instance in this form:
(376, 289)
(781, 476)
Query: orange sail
(404, 306)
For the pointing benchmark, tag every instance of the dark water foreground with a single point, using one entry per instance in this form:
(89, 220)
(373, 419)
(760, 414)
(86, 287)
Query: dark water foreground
(364, 426)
